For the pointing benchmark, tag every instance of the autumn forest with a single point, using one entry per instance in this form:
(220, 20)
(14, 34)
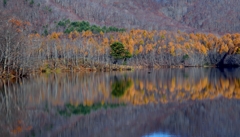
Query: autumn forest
(23, 52)
(76, 44)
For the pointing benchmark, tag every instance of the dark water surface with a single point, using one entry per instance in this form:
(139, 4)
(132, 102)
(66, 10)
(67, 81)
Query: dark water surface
(199, 102)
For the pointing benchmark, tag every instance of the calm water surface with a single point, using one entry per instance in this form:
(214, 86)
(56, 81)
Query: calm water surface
(146, 103)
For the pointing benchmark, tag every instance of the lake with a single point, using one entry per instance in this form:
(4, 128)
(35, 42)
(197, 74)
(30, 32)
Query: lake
(199, 102)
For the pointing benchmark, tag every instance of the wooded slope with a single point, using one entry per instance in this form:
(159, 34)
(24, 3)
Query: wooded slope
(218, 16)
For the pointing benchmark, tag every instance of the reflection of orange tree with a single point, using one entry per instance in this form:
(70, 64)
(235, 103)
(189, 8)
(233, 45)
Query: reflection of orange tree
(130, 91)
(139, 93)
(126, 92)
(198, 90)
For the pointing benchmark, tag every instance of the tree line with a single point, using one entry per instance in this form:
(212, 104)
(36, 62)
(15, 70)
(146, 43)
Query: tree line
(22, 52)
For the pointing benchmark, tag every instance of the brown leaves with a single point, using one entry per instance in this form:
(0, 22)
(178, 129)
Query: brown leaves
(20, 127)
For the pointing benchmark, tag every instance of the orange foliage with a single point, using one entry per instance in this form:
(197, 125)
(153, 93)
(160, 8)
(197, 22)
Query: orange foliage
(140, 42)
(140, 50)
(55, 35)
(73, 35)
(149, 48)
(19, 25)
(87, 33)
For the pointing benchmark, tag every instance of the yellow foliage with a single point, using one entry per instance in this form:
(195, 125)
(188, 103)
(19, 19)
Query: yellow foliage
(140, 50)
(55, 35)
(87, 33)
(172, 50)
(149, 48)
(101, 33)
(73, 35)
(203, 49)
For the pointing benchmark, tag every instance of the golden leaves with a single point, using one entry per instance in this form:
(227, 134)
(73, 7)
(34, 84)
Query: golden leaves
(140, 49)
(55, 35)
(149, 48)
(73, 35)
(203, 49)
(87, 33)
(139, 42)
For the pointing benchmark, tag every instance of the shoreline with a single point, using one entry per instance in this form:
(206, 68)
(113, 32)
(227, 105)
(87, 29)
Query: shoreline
(100, 68)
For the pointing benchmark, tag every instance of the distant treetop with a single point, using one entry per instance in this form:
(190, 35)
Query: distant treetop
(81, 26)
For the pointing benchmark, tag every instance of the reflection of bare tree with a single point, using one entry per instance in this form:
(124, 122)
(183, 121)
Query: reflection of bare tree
(25, 103)
(31, 104)
(166, 85)
(13, 104)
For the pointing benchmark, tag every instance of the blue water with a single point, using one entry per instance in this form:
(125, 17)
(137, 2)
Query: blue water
(159, 134)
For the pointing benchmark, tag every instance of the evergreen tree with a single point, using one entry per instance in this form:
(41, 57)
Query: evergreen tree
(118, 52)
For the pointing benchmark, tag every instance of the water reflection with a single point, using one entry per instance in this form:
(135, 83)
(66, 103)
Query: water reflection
(12, 106)
(35, 103)
(166, 85)
(70, 109)
(119, 87)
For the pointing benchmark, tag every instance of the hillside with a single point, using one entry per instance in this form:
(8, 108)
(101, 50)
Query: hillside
(127, 14)
(220, 16)
(217, 16)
